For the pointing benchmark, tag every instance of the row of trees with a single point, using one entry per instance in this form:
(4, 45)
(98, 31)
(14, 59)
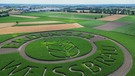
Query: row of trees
(112, 11)
(106, 10)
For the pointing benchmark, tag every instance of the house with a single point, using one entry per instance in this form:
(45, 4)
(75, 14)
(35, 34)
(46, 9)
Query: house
(15, 12)
(47, 9)
(4, 14)
(83, 10)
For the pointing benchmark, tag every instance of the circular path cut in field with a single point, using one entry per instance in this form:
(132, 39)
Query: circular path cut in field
(105, 52)
(57, 48)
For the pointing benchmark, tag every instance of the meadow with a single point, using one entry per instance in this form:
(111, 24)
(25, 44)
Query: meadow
(128, 29)
(89, 66)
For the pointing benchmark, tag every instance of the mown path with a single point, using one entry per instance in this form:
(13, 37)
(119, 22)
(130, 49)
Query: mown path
(121, 71)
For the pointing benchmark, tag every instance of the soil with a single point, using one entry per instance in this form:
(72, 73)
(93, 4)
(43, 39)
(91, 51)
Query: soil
(111, 25)
(24, 16)
(39, 22)
(3, 25)
(112, 17)
(24, 29)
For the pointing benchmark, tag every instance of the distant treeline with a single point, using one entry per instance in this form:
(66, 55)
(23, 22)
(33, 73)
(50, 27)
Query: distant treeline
(4, 13)
(126, 11)
(113, 11)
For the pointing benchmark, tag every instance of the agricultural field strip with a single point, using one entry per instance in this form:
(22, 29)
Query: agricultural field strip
(128, 29)
(24, 16)
(4, 25)
(112, 17)
(67, 15)
(23, 29)
(111, 25)
(40, 22)
(72, 18)
(83, 13)
(127, 64)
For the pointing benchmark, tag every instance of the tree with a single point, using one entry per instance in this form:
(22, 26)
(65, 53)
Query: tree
(17, 22)
(101, 16)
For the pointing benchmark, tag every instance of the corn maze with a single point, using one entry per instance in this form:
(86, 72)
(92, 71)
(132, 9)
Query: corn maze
(60, 53)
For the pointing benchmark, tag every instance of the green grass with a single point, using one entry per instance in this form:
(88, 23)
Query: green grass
(14, 19)
(66, 15)
(92, 23)
(45, 17)
(124, 39)
(129, 19)
(33, 36)
(38, 68)
(43, 53)
(19, 42)
(127, 29)
(42, 18)
(119, 36)
(54, 33)
(67, 33)
(39, 24)
(9, 36)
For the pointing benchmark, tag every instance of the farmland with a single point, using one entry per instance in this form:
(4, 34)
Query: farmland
(49, 16)
(87, 62)
(78, 52)
(128, 29)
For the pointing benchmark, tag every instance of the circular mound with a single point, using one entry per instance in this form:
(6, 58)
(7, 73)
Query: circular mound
(58, 48)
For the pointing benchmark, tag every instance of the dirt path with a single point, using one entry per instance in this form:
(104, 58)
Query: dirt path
(23, 54)
(23, 29)
(24, 16)
(112, 18)
(111, 25)
(127, 64)
(122, 71)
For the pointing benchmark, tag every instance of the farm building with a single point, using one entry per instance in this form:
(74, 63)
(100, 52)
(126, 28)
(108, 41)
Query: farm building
(14, 12)
(83, 10)
(4, 14)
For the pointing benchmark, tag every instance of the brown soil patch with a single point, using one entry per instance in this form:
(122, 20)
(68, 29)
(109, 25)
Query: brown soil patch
(22, 29)
(111, 25)
(39, 22)
(3, 25)
(112, 18)
(24, 16)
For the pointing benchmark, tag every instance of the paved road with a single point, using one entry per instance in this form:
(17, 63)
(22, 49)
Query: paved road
(122, 71)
